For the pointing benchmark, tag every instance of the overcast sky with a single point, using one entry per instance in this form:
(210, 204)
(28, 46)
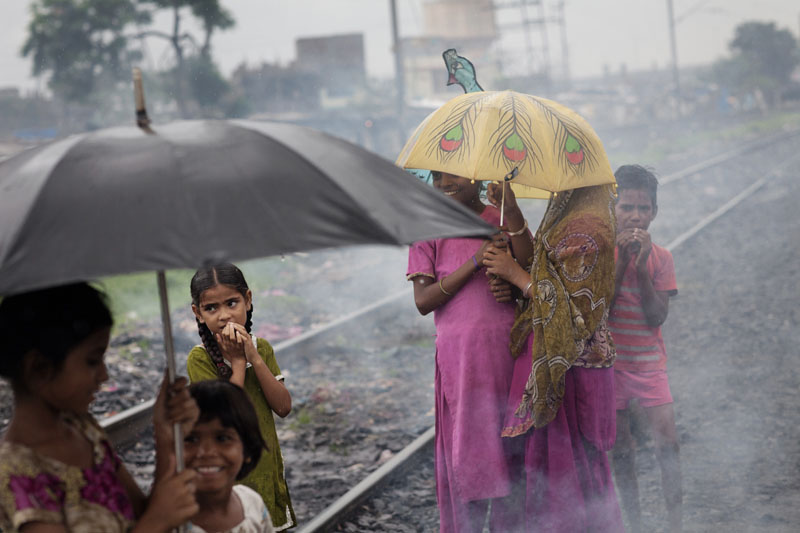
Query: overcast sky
(610, 32)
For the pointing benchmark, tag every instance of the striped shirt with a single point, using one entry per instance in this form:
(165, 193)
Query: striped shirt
(639, 346)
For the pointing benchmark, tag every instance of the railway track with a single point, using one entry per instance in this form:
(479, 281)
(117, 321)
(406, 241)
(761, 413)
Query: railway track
(125, 427)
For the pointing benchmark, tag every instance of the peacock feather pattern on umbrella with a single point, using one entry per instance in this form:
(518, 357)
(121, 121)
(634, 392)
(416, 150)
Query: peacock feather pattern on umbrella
(455, 134)
(571, 147)
(512, 143)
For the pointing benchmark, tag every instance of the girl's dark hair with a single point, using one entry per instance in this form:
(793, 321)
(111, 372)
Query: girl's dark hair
(228, 403)
(207, 278)
(637, 177)
(48, 321)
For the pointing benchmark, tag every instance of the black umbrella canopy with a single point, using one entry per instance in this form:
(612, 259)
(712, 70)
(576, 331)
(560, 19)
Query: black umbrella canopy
(120, 200)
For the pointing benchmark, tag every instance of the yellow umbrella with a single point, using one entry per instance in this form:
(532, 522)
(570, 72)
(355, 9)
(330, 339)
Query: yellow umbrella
(494, 134)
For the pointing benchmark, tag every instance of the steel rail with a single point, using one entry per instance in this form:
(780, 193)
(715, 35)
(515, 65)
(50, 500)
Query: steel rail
(332, 515)
(739, 151)
(339, 510)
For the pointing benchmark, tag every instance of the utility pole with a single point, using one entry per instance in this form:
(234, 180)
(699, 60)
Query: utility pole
(527, 25)
(564, 50)
(399, 73)
(674, 49)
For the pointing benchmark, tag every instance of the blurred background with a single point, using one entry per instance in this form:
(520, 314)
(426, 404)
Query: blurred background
(370, 70)
(662, 81)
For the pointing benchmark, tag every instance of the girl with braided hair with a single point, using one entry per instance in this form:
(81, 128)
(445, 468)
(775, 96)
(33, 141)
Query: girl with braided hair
(223, 306)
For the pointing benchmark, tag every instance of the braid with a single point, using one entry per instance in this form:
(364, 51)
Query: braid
(211, 346)
(248, 325)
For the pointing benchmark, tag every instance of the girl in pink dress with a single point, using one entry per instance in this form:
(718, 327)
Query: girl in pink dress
(473, 362)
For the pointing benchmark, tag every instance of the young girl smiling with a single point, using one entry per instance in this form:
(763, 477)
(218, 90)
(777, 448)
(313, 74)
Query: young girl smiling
(224, 446)
(473, 362)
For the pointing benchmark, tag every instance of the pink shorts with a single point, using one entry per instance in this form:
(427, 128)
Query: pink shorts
(650, 388)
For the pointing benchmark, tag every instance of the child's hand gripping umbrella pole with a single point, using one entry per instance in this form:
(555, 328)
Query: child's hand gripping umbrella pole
(508, 177)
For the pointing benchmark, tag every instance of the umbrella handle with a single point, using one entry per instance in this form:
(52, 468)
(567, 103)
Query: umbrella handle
(508, 177)
(142, 120)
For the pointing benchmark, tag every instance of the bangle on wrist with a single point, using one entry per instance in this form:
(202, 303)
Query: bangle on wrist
(441, 288)
(476, 262)
(520, 231)
(526, 292)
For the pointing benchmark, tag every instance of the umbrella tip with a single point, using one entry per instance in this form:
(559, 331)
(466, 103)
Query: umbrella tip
(142, 120)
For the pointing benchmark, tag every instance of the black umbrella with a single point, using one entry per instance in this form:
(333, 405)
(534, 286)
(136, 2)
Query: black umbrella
(126, 200)
(120, 200)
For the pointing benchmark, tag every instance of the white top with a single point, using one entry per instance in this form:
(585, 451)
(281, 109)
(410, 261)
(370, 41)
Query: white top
(256, 516)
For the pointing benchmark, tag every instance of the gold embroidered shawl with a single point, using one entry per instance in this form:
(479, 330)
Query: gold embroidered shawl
(573, 283)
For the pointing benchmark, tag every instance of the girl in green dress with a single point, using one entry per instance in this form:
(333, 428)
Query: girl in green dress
(223, 306)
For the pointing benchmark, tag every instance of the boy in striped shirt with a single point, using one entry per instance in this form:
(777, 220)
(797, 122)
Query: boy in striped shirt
(645, 280)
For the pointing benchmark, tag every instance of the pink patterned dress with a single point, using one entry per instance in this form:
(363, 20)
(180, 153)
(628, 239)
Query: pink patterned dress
(35, 488)
(473, 376)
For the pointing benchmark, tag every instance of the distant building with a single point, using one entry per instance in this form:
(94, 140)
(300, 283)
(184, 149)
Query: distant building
(9, 92)
(271, 88)
(338, 62)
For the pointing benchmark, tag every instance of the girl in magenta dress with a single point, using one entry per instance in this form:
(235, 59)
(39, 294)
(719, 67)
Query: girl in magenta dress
(473, 364)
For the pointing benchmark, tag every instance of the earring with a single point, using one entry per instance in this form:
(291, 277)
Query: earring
(472, 181)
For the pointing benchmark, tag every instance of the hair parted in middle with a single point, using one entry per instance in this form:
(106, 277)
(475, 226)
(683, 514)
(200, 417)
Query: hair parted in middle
(229, 403)
(207, 278)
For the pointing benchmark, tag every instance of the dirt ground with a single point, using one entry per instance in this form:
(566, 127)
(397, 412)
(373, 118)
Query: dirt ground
(732, 338)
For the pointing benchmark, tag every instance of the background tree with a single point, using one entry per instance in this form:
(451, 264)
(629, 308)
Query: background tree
(212, 17)
(80, 44)
(764, 58)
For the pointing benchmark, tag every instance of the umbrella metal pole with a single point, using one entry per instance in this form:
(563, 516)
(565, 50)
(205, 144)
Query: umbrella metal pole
(170, 352)
(169, 349)
(502, 204)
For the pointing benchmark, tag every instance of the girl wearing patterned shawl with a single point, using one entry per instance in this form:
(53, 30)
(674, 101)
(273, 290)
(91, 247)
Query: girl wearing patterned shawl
(561, 400)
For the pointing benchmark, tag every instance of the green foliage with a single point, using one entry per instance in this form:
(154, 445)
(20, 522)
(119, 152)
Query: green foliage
(86, 48)
(135, 296)
(194, 70)
(81, 43)
(769, 52)
(763, 59)
(208, 87)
